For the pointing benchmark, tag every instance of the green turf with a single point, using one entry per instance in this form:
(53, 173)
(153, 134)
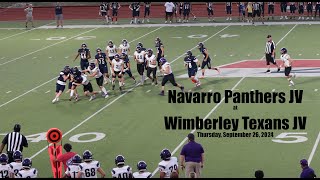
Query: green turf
(133, 123)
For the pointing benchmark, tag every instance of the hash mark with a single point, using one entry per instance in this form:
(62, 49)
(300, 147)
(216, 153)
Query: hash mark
(50, 57)
(273, 90)
(315, 89)
(148, 90)
(317, 54)
(189, 90)
(47, 92)
(252, 89)
(34, 57)
(66, 57)
(210, 90)
(8, 92)
(3, 57)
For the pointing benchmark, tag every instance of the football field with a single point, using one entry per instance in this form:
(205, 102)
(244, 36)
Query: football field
(132, 123)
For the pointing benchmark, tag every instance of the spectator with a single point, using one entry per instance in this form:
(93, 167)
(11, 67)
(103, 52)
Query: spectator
(66, 158)
(169, 11)
(14, 141)
(259, 174)
(193, 156)
(29, 16)
(307, 172)
(59, 15)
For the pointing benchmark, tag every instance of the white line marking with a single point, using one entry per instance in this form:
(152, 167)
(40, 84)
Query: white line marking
(252, 89)
(231, 55)
(57, 76)
(300, 54)
(314, 149)
(317, 54)
(315, 89)
(46, 47)
(47, 92)
(203, 42)
(50, 57)
(148, 91)
(34, 57)
(212, 110)
(248, 54)
(210, 90)
(35, 39)
(3, 57)
(27, 92)
(189, 90)
(273, 90)
(66, 57)
(24, 32)
(8, 92)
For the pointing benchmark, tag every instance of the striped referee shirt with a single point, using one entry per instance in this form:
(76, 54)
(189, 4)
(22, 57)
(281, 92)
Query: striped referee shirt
(15, 141)
(270, 46)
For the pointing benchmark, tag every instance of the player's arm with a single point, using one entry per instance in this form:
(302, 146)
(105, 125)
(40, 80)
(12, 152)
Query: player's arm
(130, 7)
(77, 56)
(197, 61)
(122, 68)
(103, 174)
(65, 77)
(182, 161)
(79, 175)
(93, 74)
(207, 55)
(96, 62)
(162, 50)
(162, 171)
(112, 65)
(119, 50)
(119, 6)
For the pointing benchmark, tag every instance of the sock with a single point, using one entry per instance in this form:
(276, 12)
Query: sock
(135, 20)
(142, 77)
(104, 90)
(194, 81)
(71, 93)
(113, 82)
(120, 83)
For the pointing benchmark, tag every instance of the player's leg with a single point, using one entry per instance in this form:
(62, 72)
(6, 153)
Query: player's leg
(149, 70)
(154, 74)
(90, 91)
(113, 80)
(59, 91)
(210, 67)
(193, 78)
(163, 83)
(174, 83)
(287, 71)
(203, 65)
(121, 81)
(130, 75)
(102, 88)
(140, 68)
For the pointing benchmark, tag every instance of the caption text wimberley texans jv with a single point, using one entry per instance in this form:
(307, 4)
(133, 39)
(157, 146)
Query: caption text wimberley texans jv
(232, 124)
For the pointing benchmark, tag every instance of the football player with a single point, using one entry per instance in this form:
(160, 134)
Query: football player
(95, 72)
(152, 66)
(61, 83)
(90, 167)
(206, 59)
(111, 51)
(85, 55)
(87, 86)
(122, 170)
(117, 69)
(73, 168)
(124, 47)
(127, 67)
(141, 45)
(142, 168)
(147, 6)
(104, 8)
(139, 57)
(27, 171)
(192, 63)
(287, 62)
(168, 164)
(16, 166)
(186, 11)
(115, 6)
(168, 76)
(75, 74)
(160, 50)
(102, 63)
(5, 168)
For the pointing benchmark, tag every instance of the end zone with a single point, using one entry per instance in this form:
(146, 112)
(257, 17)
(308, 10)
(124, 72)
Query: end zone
(257, 68)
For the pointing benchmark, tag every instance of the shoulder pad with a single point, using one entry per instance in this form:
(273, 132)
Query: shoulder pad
(80, 167)
(11, 166)
(129, 169)
(34, 171)
(113, 172)
(98, 164)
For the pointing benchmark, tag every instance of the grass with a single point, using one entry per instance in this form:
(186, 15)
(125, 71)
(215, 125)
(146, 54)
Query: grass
(133, 123)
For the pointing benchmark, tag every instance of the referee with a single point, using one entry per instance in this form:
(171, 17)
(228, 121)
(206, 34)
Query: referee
(14, 141)
(270, 53)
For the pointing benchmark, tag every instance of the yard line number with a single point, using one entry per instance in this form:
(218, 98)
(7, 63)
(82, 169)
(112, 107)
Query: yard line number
(291, 137)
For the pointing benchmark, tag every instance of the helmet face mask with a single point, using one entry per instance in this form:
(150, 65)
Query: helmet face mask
(138, 49)
(83, 46)
(92, 66)
(150, 52)
(117, 57)
(99, 51)
(110, 43)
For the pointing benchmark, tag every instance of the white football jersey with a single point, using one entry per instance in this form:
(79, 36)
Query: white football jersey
(5, 170)
(16, 167)
(285, 58)
(89, 170)
(124, 49)
(111, 51)
(139, 56)
(142, 175)
(85, 80)
(122, 172)
(96, 69)
(72, 170)
(117, 65)
(164, 66)
(27, 173)
(168, 166)
(152, 62)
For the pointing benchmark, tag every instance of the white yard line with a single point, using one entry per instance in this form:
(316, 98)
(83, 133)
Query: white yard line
(216, 106)
(8, 92)
(57, 76)
(203, 42)
(46, 47)
(314, 149)
(24, 31)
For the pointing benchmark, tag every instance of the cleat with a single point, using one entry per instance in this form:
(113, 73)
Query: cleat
(182, 89)
(161, 93)
(106, 96)
(278, 70)
(268, 71)
(54, 100)
(92, 98)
